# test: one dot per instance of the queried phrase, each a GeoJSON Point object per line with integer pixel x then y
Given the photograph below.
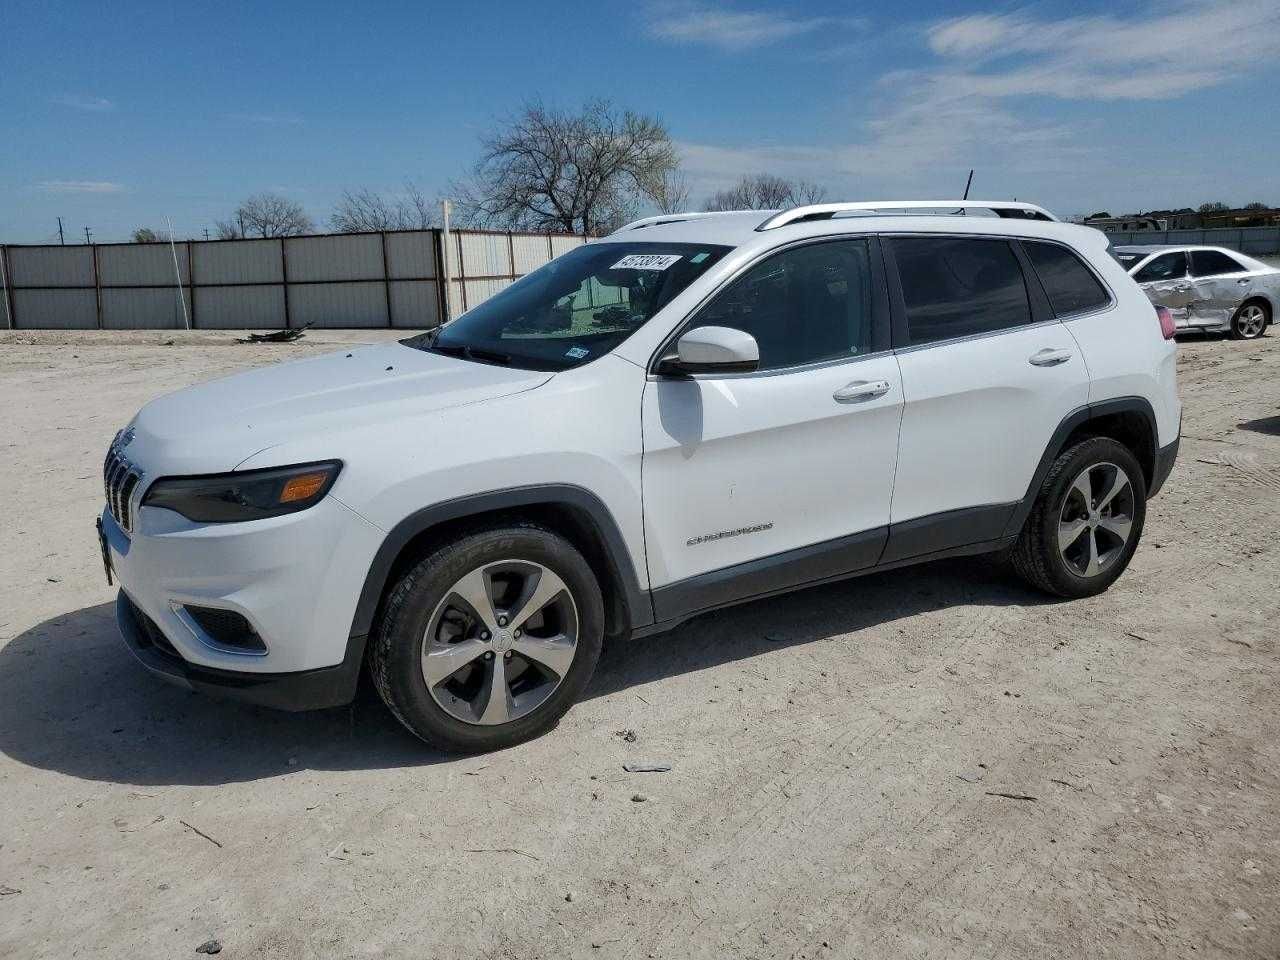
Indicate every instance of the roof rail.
{"type": "Point", "coordinates": [674, 218]}
{"type": "Point", "coordinates": [825, 211]}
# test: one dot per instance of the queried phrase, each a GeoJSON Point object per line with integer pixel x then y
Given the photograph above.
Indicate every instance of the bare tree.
{"type": "Point", "coordinates": [367, 210]}
{"type": "Point", "coordinates": [1214, 207]}
{"type": "Point", "coordinates": [266, 215]}
{"type": "Point", "coordinates": [547, 169]}
{"type": "Point", "coordinates": [673, 195]}
{"type": "Point", "coordinates": [1257, 205]}
{"type": "Point", "coordinates": [764, 191]}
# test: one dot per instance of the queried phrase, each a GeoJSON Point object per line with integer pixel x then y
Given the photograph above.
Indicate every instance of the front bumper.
{"type": "Point", "coordinates": [296, 579]}
{"type": "Point", "coordinates": [301, 690]}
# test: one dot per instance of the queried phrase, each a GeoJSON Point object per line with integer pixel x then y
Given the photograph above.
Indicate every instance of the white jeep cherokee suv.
{"type": "Point", "coordinates": [694, 411]}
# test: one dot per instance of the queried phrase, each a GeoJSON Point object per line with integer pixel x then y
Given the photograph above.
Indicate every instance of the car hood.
{"type": "Point", "coordinates": [216, 426]}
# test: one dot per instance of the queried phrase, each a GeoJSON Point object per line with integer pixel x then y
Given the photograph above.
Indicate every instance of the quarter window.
{"type": "Point", "coordinates": [1071, 286]}
{"type": "Point", "coordinates": [1213, 263]}
{"type": "Point", "coordinates": [1167, 266]}
{"type": "Point", "coordinates": [804, 305]}
{"type": "Point", "coordinates": [958, 286]}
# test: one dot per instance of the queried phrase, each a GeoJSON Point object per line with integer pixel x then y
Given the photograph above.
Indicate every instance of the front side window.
{"type": "Point", "coordinates": [1071, 286]}
{"type": "Point", "coordinates": [959, 286]}
{"type": "Point", "coordinates": [804, 305]}
{"type": "Point", "coordinates": [1167, 266]}
{"type": "Point", "coordinates": [578, 307]}
{"type": "Point", "coordinates": [1213, 263]}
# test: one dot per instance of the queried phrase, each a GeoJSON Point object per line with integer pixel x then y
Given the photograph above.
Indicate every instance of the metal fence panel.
{"type": "Point", "coordinates": [148, 308]}
{"type": "Point", "coordinates": [55, 309]}
{"type": "Point", "coordinates": [560, 244]}
{"type": "Point", "coordinates": [478, 291]}
{"type": "Point", "coordinates": [239, 308]}
{"type": "Point", "coordinates": [340, 280]}
{"type": "Point", "coordinates": [51, 266]}
{"type": "Point", "coordinates": [415, 304]}
{"type": "Point", "coordinates": [411, 254]}
{"type": "Point", "coordinates": [338, 304]}
{"type": "Point", "coordinates": [356, 256]}
{"type": "Point", "coordinates": [237, 261]}
{"type": "Point", "coordinates": [141, 264]}
{"type": "Point", "coordinates": [530, 252]}
{"type": "Point", "coordinates": [1251, 240]}
{"type": "Point", "coordinates": [485, 255]}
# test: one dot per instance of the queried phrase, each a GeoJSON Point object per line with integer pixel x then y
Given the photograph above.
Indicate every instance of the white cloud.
{"type": "Point", "coordinates": [88, 104]}
{"type": "Point", "coordinates": [79, 186]}
{"type": "Point", "coordinates": [731, 30]}
{"type": "Point", "coordinates": [965, 109]}
{"type": "Point", "coordinates": [1157, 54]}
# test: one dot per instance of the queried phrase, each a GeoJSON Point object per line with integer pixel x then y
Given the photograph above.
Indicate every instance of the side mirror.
{"type": "Point", "coordinates": [712, 350]}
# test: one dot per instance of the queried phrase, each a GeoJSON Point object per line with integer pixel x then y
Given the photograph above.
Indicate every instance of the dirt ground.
{"type": "Point", "coordinates": [838, 756]}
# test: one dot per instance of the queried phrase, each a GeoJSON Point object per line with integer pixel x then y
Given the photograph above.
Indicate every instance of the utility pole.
{"type": "Point", "coordinates": [206, 233]}
{"type": "Point", "coordinates": [88, 235]}
{"type": "Point", "coordinates": [61, 239]}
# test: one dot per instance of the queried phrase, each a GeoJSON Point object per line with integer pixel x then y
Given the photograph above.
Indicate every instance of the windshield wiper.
{"type": "Point", "coordinates": [474, 354]}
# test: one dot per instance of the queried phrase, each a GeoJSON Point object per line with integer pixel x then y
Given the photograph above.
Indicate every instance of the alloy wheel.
{"type": "Point", "coordinates": [1096, 521]}
{"type": "Point", "coordinates": [1251, 321]}
{"type": "Point", "coordinates": [500, 642]}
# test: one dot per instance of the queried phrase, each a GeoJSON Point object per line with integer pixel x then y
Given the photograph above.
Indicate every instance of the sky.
{"type": "Point", "coordinates": [121, 115]}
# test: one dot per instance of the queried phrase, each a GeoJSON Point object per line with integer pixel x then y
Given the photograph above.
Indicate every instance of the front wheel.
{"type": "Point", "coordinates": [490, 639]}
{"type": "Point", "coordinates": [1086, 521]}
{"type": "Point", "coordinates": [1249, 322]}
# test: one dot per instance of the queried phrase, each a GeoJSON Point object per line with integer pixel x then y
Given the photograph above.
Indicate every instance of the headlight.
{"type": "Point", "coordinates": [249, 495]}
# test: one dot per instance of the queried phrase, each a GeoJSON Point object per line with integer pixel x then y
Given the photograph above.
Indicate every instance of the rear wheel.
{"type": "Point", "coordinates": [489, 640]}
{"type": "Point", "coordinates": [1086, 522]}
{"type": "Point", "coordinates": [1250, 321]}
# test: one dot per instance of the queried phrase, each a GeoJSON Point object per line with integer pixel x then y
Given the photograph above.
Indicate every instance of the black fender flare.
{"type": "Point", "coordinates": [639, 609]}
{"type": "Point", "coordinates": [1070, 423]}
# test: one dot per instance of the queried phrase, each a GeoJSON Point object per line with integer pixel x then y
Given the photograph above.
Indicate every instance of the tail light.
{"type": "Point", "coordinates": [1166, 322]}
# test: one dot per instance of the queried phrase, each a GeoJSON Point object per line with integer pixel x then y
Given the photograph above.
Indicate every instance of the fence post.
{"type": "Point", "coordinates": [284, 279]}
{"type": "Point", "coordinates": [462, 274]}
{"type": "Point", "coordinates": [386, 278]}
{"type": "Point", "coordinates": [97, 283]}
{"type": "Point", "coordinates": [442, 281]}
{"type": "Point", "coordinates": [446, 312]}
{"type": "Point", "coordinates": [5, 277]}
{"type": "Point", "coordinates": [191, 282]}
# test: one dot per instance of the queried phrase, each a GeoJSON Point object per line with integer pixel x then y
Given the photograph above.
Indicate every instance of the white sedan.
{"type": "Point", "coordinates": [1206, 288]}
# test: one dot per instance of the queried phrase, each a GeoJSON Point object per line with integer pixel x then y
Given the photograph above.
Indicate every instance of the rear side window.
{"type": "Point", "coordinates": [1212, 263]}
{"type": "Point", "coordinates": [1167, 266]}
{"type": "Point", "coordinates": [957, 286]}
{"type": "Point", "coordinates": [1071, 286]}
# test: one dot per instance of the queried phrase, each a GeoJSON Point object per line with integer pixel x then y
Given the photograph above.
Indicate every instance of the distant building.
{"type": "Point", "coordinates": [1188, 219]}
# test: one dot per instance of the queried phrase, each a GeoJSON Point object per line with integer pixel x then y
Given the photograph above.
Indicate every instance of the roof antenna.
{"type": "Point", "coordinates": [967, 184]}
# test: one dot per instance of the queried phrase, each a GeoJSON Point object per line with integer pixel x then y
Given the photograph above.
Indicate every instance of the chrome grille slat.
{"type": "Point", "coordinates": [120, 479]}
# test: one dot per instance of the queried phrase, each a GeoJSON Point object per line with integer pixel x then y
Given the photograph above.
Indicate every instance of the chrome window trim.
{"type": "Point", "coordinates": [984, 335]}
{"type": "Point", "coordinates": [674, 335]}
{"type": "Point", "coordinates": [801, 368]}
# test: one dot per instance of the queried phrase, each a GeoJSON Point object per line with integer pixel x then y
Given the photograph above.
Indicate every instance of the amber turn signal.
{"type": "Point", "coordinates": [303, 487]}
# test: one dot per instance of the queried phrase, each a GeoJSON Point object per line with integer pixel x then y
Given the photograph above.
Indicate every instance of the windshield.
{"type": "Point", "coordinates": [578, 307]}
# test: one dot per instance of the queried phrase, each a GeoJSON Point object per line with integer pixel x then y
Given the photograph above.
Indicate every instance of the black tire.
{"type": "Point", "coordinates": [1036, 556]}
{"type": "Point", "coordinates": [1242, 331]}
{"type": "Point", "coordinates": [396, 645]}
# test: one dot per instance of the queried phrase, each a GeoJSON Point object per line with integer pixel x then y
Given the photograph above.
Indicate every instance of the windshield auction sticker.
{"type": "Point", "coordinates": [646, 261]}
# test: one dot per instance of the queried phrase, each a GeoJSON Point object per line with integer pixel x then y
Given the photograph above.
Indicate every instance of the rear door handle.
{"type": "Point", "coordinates": [861, 390]}
{"type": "Point", "coordinates": [1049, 357]}
{"type": "Point", "coordinates": [1245, 281]}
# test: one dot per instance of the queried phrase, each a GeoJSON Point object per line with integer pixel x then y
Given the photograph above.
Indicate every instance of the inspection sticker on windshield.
{"type": "Point", "coordinates": [576, 353]}
{"type": "Point", "coordinates": [646, 261]}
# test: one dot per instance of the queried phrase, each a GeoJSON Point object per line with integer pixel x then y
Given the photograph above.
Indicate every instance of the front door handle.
{"type": "Point", "coordinates": [1245, 281]}
{"type": "Point", "coordinates": [861, 390]}
{"type": "Point", "coordinates": [1049, 357]}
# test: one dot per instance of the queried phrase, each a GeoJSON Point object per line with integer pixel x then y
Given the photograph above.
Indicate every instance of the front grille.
{"type": "Point", "coordinates": [120, 480]}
